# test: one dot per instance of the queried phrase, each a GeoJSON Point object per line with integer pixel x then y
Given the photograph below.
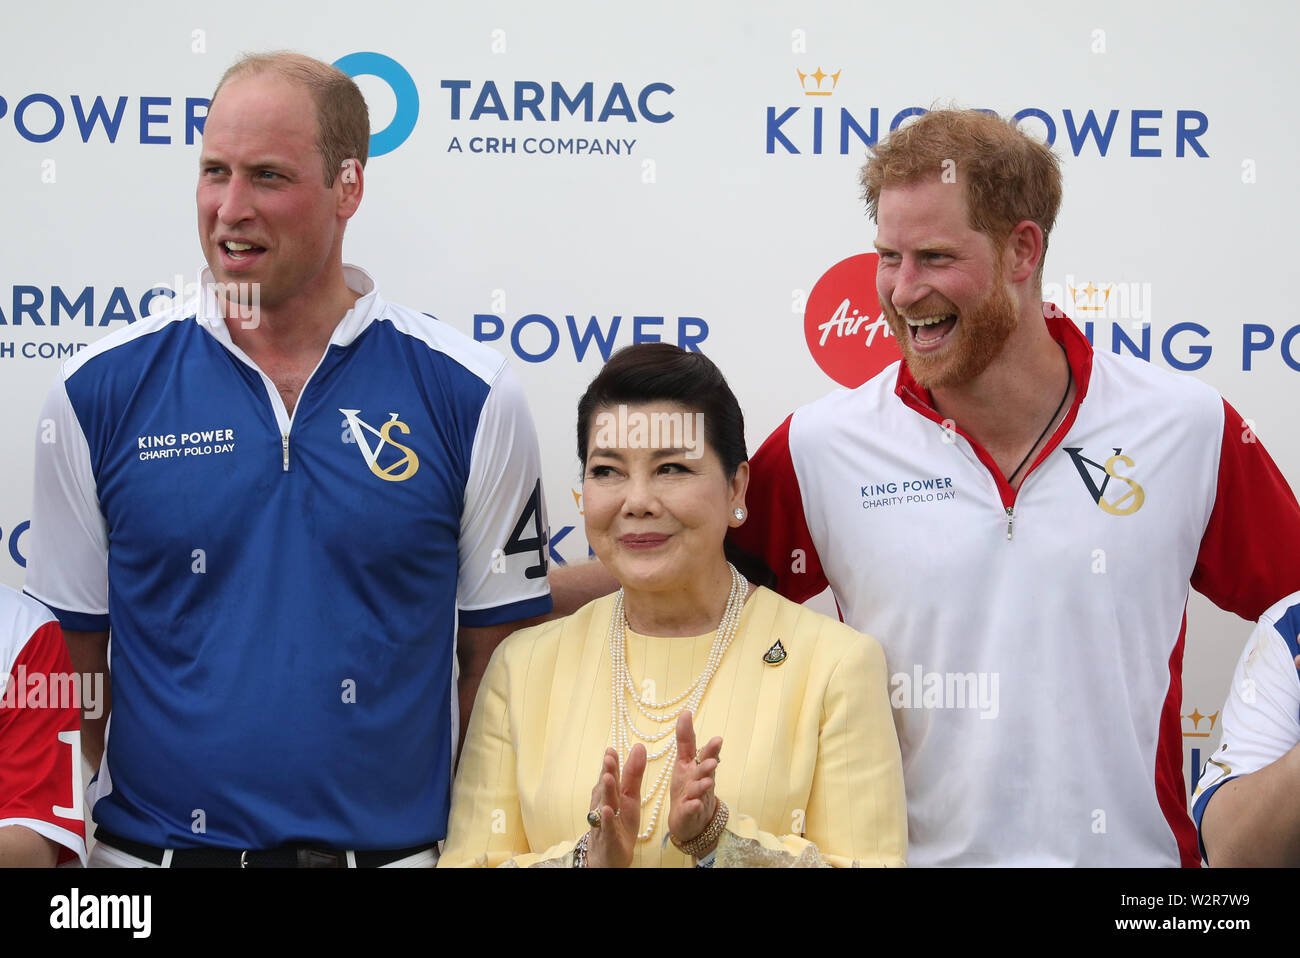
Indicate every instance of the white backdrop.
{"type": "Point", "coordinates": [708, 218]}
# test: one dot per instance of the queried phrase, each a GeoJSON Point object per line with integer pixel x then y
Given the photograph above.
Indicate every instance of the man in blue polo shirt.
{"type": "Point", "coordinates": [295, 506]}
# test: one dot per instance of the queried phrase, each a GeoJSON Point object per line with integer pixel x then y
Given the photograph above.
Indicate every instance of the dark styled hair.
{"type": "Point", "coordinates": [662, 372]}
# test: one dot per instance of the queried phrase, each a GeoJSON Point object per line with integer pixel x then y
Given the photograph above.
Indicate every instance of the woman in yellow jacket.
{"type": "Point", "coordinates": [800, 764]}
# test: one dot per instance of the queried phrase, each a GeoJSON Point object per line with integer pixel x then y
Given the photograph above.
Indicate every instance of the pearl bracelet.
{"type": "Point", "coordinates": [705, 840]}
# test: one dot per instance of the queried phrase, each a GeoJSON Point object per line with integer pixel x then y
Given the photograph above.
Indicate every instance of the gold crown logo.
{"type": "Point", "coordinates": [1196, 717]}
{"type": "Point", "coordinates": [818, 76]}
{"type": "Point", "coordinates": [1089, 294]}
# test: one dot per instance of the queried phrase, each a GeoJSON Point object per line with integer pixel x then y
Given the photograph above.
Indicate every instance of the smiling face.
{"type": "Point", "coordinates": [265, 213]}
{"type": "Point", "coordinates": [656, 516]}
{"type": "Point", "coordinates": [941, 284]}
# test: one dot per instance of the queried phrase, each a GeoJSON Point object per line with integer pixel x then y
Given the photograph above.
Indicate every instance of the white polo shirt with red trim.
{"type": "Point", "coordinates": [40, 727]}
{"type": "Point", "coordinates": [1034, 636]}
{"type": "Point", "coordinates": [1261, 718]}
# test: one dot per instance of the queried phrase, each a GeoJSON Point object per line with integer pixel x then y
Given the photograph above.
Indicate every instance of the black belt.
{"type": "Point", "coordinates": [287, 856]}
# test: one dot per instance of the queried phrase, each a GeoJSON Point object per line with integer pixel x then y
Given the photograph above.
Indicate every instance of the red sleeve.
{"type": "Point", "coordinates": [776, 529]}
{"type": "Point", "coordinates": [1250, 553]}
{"type": "Point", "coordinates": [36, 775]}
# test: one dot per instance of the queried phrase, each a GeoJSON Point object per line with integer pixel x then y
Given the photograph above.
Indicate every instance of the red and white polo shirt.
{"type": "Point", "coordinates": [1034, 636]}
{"type": "Point", "coordinates": [40, 727]}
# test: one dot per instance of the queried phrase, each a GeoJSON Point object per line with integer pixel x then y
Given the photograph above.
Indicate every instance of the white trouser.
{"type": "Point", "coordinates": [101, 856]}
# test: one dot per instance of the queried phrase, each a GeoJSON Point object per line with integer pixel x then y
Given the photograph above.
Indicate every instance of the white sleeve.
{"type": "Point", "coordinates": [1261, 719]}
{"type": "Point", "coordinates": [68, 565]}
{"type": "Point", "coordinates": [504, 536]}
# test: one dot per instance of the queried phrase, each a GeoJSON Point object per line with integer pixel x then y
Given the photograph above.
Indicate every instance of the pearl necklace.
{"type": "Point", "coordinates": [622, 688]}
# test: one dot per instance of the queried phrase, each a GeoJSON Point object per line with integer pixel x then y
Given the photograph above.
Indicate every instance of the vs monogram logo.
{"type": "Point", "coordinates": [401, 470]}
{"type": "Point", "coordinates": [1127, 503]}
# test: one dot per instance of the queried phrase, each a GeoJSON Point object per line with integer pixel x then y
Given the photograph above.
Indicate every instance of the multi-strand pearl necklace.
{"type": "Point", "coordinates": [622, 688]}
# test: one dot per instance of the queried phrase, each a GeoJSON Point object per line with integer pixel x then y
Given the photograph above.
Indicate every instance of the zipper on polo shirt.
{"type": "Point", "coordinates": [283, 418]}
{"type": "Point", "coordinates": [980, 454]}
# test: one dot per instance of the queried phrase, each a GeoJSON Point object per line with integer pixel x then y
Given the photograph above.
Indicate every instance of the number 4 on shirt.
{"type": "Point", "coordinates": [532, 514]}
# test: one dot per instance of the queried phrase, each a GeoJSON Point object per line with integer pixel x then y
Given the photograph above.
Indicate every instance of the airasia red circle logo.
{"type": "Point", "coordinates": [846, 331]}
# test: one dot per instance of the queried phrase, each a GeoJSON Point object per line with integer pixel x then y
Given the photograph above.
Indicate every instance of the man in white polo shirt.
{"type": "Point", "coordinates": [1017, 519]}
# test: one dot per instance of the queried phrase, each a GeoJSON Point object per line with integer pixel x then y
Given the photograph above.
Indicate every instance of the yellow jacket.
{"type": "Point", "coordinates": [809, 758]}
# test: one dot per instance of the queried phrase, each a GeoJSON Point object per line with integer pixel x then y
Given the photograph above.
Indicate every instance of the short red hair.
{"type": "Point", "coordinates": [1008, 177]}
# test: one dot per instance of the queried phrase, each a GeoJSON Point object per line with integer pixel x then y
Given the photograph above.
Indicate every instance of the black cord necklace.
{"type": "Point", "coordinates": [1069, 381]}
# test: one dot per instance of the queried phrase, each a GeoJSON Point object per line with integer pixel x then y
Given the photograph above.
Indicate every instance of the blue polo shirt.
{"type": "Point", "coordinates": [283, 592]}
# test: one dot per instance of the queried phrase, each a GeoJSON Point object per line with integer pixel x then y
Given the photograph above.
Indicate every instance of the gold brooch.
{"type": "Point", "coordinates": [776, 654]}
